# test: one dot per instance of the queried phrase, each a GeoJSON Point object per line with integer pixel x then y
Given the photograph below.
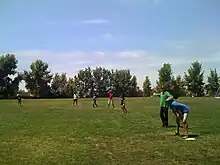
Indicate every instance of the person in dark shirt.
{"type": "Point", "coordinates": [94, 101]}
{"type": "Point", "coordinates": [122, 98]}
{"type": "Point", "coordinates": [19, 99]}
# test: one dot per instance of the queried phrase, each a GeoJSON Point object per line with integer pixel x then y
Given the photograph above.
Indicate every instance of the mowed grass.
{"type": "Point", "coordinates": [53, 132]}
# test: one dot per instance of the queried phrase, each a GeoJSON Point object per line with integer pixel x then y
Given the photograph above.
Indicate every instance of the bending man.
{"type": "Point", "coordinates": [181, 112]}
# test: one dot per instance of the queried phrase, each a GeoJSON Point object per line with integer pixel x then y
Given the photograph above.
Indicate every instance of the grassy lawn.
{"type": "Point", "coordinates": [53, 132]}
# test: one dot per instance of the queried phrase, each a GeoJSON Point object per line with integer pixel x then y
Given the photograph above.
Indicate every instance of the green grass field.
{"type": "Point", "coordinates": [53, 132]}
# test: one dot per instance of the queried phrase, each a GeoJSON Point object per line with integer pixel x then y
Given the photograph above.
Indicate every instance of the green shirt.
{"type": "Point", "coordinates": [163, 98]}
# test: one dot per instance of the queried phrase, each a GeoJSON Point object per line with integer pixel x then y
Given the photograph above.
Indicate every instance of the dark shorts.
{"type": "Point", "coordinates": [122, 102]}
{"type": "Point", "coordinates": [75, 100]}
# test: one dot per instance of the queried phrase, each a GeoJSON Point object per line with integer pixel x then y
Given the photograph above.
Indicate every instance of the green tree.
{"type": "Point", "coordinates": [177, 86]}
{"type": "Point", "coordinates": [63, 85]}
{"type": "Point", "coordinates": [85, 85]}
{"type": "Point", "coordinates": [107, 81]}
{"type": "Point", "coordinates": [24, 93]}
{"type": "Point", "coordinates": [59, 85]}
{"type": "Point", "coordinates": [139, 92]}
{"type": "Point", "coordinates": [9, 77]}
{"type": "Point", "coordinates": [164, 76]}
{"type": "Point", "coordinates": [147, 91]}
{"type": "Point", "coordinates": [14, 84]}
{"type": "Point", "coordinates": [77, 85]}
{"type": "Point", "coordinates": [89, 82]}
{"type": "Point", "coordinates": [38, 79]}
{"type": "Point", "coordinates": [55, 84]}
{"type": "Point", "coordinates": [71, 87]}
{"type": "Point", "coordinates": [112, 83]}
{"type": "Point", "coordinates": [122, 81]}
{"type": "Point", "coordinates": [133, 90]}
{"type": "Point", "coordinates": [213, 82]}
{"type": "Point", "coordinates": [101, 80]}
{"type": "Point", "coordinates": [194, 79]}
{"type": "Point", "coordinates": [98, 80]}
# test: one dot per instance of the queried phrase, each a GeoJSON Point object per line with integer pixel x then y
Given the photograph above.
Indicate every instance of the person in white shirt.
{"type": "Point", "coordinates": [75, 99]}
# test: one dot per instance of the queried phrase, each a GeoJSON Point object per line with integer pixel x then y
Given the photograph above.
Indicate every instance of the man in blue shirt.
{"type": "Point", "coordinates": [181, 112]}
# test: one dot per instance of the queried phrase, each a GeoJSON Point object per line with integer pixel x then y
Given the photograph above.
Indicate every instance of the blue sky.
{"type": "Point", "coordinates": [136, 34]}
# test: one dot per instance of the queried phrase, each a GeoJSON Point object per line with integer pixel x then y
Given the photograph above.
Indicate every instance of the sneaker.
{"type": "Point", "coordinates": [185, 137]}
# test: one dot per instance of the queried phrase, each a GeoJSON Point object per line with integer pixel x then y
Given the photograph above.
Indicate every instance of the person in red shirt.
{"type": "Point", "coordinates": [110, 99]}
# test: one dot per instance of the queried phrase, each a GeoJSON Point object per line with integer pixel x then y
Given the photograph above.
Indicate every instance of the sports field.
{"type": "Point", "coordinates": [53, 132]}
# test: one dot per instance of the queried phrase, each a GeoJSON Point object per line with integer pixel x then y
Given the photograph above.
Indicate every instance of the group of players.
{"type": "Point", "coordinates": [110, 101]}
{"type": "Point", "coordinates": [166, 101]}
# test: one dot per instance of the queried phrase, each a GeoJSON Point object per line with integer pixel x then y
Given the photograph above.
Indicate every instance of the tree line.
{"type": "Point", "coordinates": [40, 82]}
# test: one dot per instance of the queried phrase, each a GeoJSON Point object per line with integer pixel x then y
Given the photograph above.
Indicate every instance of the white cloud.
{"type": "Point", "coordinates": [99, 53]}
{"type": "Point", "coordinates": [140, 62]}
{"type": "Point", "coordinates": [95, 21]}
{"type": "Point", "coordinates": [129, 54]}
{"type": "Point", "coordinates": [44, 53]}
{"type": "Point", "coordinates": [76, 23]}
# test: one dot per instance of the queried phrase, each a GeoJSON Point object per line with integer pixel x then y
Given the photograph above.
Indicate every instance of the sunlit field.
{"type": "Point", "coordinates": [53, 132]}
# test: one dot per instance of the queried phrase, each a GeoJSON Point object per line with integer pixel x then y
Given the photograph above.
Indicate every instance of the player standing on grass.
{"type": "Point", "coordinates": [94, 101]}
{"type": "Point", "coordinates": [75, 99]}
{"type": "Point", "coordinates": [164, 106]}
{"type": "Point", "coordinates": [122, 98]}
{"type": "Point", "coordinates": [19, 99]}
{"type": "Point", "coordinates": [181, 112]}
{"type": "Point", "coordinates": [110, 99]}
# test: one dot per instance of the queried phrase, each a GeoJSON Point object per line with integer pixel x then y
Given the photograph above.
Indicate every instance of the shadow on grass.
{"type": "Point", "coordinates": [125, 116]}
{"type": "Point", "coordinates": [173, 126]}
{"type": "Point", "coordinates": [206, 132]}
{"type": "Point", "coordinates": [192, 135]}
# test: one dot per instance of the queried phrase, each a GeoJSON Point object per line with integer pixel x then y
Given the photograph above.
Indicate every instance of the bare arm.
{"type": "Point", "coordinates": [156, 94]}
{"type": "Point", "coordinates": [169, 95]}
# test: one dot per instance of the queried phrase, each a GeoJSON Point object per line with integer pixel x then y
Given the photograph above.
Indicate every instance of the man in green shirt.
{"type": "Point", "coordinates": [164, 105]}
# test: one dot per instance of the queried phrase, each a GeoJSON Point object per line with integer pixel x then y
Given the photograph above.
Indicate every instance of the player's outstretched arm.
{"type": "Point", "coordinates": [156, 94]}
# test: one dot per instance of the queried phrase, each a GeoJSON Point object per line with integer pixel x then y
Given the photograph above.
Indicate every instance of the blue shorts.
{"type": "Point", "coordinates": [186, 110]}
